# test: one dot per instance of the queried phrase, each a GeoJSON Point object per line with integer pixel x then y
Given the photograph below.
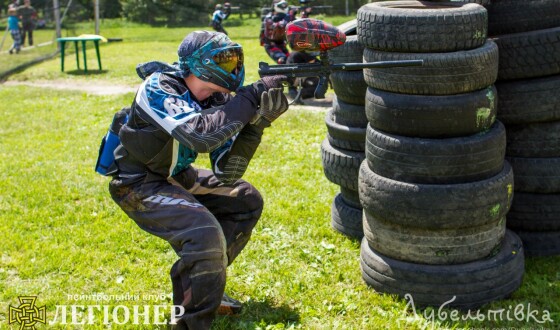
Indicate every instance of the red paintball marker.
{"type": "Point", "coordinates": [312, 35]}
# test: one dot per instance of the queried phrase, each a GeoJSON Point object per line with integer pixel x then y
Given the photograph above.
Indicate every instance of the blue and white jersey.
{"type": "Point", "coordinates": [165, 106]}
{"type": "Point", "coordinates": [218, 16]}
{"type": "Point", "coordinates": [171, 111]}
{"type": "Point", "coordinates": [168, 127]}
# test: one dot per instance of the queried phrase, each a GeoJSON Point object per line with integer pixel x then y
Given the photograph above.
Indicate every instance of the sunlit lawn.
{"type": "Point", "coordinates": [63, 236]}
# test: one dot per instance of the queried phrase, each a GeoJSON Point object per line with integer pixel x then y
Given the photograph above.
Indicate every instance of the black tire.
{"type": "Point", "coordinates": [529, 100]}
{"type": "Point", "coordinates": [472, 284]}
{"type": "Point", "coordinates": [421, 26]}
{"type": "Point", "coordinates": [349, 28]}
{"type": "Point", "coordinates": [350, 197]}
{"type": "Point", "coordinates": [446, 161]}
{"type": "Point", "coordinates": [441, 73]}
{"type": "Point", "coordinates": [432, 247]}
{"type": "Point", "coordinates": [346, 219]}
{"type": "Point", "coordinates": [341, 166]}
{"type": "Point", "coordinates": [534, 212]}
{"type": "Point", "coordinates": [540, 244]}
{"type": "Point", "coordinates": [345, 137]}
{"type": "Point", "coordinates": [350, 52]}
{"type": "Point", "coordinates": [480, 2]}
{"type": "Point", "coordinates": [436, 206]}
{"type": "Point", "coordinates": [536, 175]}
{"type": "Point", "coordinates": [349, 86]}
{"type": "Point", "coordinates": [348, 114]}
{"type": "Point", "coordinates": [513, 16]}
{"type": "Point", "coordinates": [529, 54]}
{"type": "Point", "coordinates": [430, 116]}
{"type": "Point", "coordinates": [534, 140]}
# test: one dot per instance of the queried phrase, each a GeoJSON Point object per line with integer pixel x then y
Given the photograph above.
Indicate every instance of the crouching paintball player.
{"type": "Point", "coordinates": [207, 216]}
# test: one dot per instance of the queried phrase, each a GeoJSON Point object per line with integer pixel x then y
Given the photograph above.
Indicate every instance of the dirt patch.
{"type": "Point", "coordinates": [95, 89]}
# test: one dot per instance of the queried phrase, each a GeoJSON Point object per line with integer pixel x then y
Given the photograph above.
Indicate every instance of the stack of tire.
{"type": "Point", "coordinates": [528, 37]}
{"type": "Point", "coordinates": [343, 150]}
{"type": "Point", "coordinates": [435, 187]}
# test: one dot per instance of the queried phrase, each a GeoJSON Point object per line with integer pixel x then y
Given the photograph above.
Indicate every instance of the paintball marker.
{"type": "Point", "coordinates": [313, 35]}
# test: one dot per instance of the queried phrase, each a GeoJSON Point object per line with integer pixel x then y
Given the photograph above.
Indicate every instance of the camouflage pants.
{"type": "Point", "coordinates": [278, 51]}
{"type": "Point", "coordinates": [16, 37]}
{"type": "Point", "coordinates": [207, 224]}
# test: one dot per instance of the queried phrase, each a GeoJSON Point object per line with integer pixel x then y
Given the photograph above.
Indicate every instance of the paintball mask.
{"type": "Point", "coordinates": [219, 61]}
{"type": "Point", "coordinates": [281, 7]}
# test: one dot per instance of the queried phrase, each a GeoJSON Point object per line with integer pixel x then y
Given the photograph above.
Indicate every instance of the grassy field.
{"type": "Point", "coordinates": [64, 240]}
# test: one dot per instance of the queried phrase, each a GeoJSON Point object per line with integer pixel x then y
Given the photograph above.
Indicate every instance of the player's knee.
{"type": "Point", "coordinates": [250, 198]}
{"type": "Point", "coordinates": [206, 244]}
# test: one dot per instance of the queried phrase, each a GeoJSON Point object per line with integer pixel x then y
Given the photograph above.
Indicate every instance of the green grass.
{"type": "Point", "coordinates": [45, 46]}
{"type": "Point", "coordinates": [62, 234]}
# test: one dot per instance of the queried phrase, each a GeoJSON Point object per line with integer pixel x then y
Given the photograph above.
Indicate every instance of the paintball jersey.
{"type": "Point", "coordinates": [274, 27]}
{"type": "Point", "coordinates": [305, 11]}
{"type": "Point", "coordinates": [167, 128]}
{"type": "Point", "coordinates": [219, 16]}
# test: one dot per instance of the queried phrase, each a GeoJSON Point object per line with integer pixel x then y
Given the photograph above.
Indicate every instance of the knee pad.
{"type": "Point", "coordinates": [250, 199]}
{"type": "Point", "coordinates": [203, 248]}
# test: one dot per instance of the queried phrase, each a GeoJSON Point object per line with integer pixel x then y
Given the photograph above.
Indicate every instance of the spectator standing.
{"type": "Point", "coordinates": [13, 26]}
{"type": "Point", "coordinates": [28, 16]}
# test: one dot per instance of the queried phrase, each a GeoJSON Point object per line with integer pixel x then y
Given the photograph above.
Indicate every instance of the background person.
{"type": "Point", "coordinates": [221, 13]}
{"type": "Point", "coordinates": [307, 85]}
{"type": "Point", "coordinates": [273, 32]}
{"type": "Point", "coordinates": [13, 26]}
{"type": "Point", "coordinates": [28, 16]}
{"type": "Point", "coordinates": [305, 9]}
{"type": "Point", "coordinates": [207, 216]}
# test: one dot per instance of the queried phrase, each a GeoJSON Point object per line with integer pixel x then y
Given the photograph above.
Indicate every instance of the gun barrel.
{"type": "Point", "coordinates": [316, 69]}
{"type": "Point", "coordinates": [290, 70]}
{"type": "Point", "coordinates": [370, 65]}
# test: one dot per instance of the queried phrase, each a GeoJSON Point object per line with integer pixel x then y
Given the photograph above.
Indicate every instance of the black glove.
{"type": "Point", "coordinates": [267, 83]}
{"type": "Point", "coordinates": [273, 104]}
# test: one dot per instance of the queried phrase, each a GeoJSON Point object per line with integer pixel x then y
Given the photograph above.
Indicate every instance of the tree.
{"type": "Point", "coordinates": [170, 12]}
{"type": "Point", "coordinates": [186, 12]}
{"type": "Point", "coordinates": [144, 11]}
{"type": "Point", "coordinates": [110, 9]}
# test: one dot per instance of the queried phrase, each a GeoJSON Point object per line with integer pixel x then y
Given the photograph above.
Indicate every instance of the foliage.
{"type": "Point", "coordinates": [140, 10]}
{"type": "Point", "coordinates": [171, 12]}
